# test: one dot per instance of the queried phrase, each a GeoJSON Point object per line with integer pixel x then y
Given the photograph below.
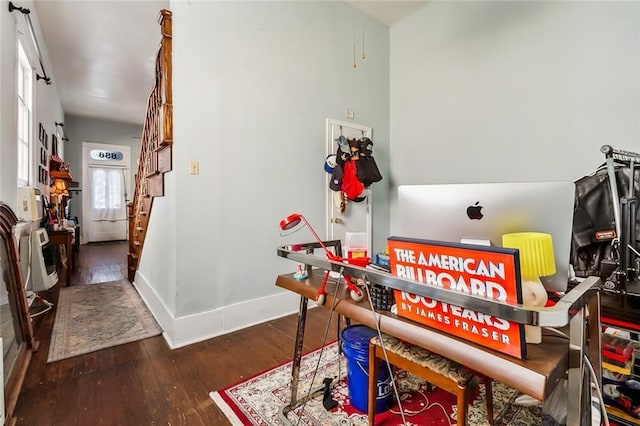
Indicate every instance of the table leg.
{"type": "Point", "coordinates": [578, 387]}
{"type": "Point", "coordinates": [69, 249]}
{"type": "Point", "coordinates": [297, 351]}
{"type": "Point", "coordinates": [595, 337]}
{"type": "Point", "coordinates": [297, 356]}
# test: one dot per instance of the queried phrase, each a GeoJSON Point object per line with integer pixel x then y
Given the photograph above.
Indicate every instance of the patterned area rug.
{"type": "Point", "coordinates": [256, 401]}
{"type": "Point", "coordinates": [98, 316]}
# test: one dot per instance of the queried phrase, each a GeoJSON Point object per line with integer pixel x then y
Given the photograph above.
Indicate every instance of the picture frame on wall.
{"type": "Point", "coordinates": [41, 133]}
{"type": "Point", "coordinates": [54, 144]}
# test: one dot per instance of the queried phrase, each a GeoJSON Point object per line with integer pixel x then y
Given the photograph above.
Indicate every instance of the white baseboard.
{"type": "Point", "coordinates": [189, 329]}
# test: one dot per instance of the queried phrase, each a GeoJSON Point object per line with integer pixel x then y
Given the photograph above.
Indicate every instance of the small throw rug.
{"type": "Point", "coordinates": [256, 401]}
{"type": "Point", "coordinates": [98, 316]}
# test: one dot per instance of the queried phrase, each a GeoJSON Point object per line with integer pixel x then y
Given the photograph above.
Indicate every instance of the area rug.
{"type": "Point", "coordinates": [256, 401]}
{"type": "Point", "coordinates": [98, 316]}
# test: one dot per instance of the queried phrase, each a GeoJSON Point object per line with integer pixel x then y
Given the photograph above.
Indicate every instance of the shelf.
{"type": "Point", "coordinates": [620, 416]}
{"type": "Point", "coordinates": [60, 174]}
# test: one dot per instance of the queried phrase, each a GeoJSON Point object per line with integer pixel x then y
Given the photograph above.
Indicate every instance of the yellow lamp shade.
{"type": "Point", "coordinates": [536, 253]}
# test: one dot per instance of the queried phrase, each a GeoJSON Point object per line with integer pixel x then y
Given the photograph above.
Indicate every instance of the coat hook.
{"type": "Point", "coordinates": [354, 55]}
{"type": "Point", "coordinates": [363, 55]}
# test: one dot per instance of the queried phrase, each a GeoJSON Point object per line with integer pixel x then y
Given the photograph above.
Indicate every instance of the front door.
{"type": "Point", "coordinates": [106, 180]}
{"type": "Point", "coordinates": [356, 216]}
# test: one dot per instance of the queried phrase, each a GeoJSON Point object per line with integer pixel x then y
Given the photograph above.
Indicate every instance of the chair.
{"type": "Point", "coordinates": [436, 370]}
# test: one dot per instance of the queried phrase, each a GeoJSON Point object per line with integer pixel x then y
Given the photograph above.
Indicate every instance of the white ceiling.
{"type": "Point", "coordinates": [103, 52]}
{"type": "Point", "coordinates": [388, 12]}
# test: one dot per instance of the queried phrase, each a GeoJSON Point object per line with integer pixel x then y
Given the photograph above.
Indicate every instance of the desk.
{"type": "Point", "coordinates": [65, 238]}
{"type": "Point", "coordinates": [536, 376]}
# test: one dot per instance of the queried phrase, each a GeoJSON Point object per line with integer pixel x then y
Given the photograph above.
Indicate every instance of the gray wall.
{"type": "Point", "coordinates": [509, 91]}
{"type": "Point", "coordinates": [253, 83]}
{"type": "Point", "coordinates": [82, 129]}
{"type": "Point", "coordinates": [47, 106]}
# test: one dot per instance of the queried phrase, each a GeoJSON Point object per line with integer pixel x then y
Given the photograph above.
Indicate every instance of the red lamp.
{"type": "Point", "coordinates": [294, 220]}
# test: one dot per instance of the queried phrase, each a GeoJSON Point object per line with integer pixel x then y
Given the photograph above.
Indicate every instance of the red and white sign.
{"type": "Point", "coordinates": [489, 272]}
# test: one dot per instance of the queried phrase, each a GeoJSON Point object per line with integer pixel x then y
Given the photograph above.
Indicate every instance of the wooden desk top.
{"type": "Point", "coordinates": [64, 232]}
{"type": "Point", "coordinates": [536, 376]}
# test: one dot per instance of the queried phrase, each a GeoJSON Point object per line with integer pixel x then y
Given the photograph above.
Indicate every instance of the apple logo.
{"type": "Point", "coordinates": [475, 211]}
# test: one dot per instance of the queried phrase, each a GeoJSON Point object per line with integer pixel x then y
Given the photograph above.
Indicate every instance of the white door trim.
{"type": "Point", "coordinates": [87, 164]}
{"type": "Point", "coordinates": [330, 149]}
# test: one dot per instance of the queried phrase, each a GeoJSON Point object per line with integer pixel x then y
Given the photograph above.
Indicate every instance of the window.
{"type": "Point", "coordinates": [25, 114]}
{"type": "Point", "coordinates": [60, 145]}
{"type": "Point", "coordinates": [107, 186]}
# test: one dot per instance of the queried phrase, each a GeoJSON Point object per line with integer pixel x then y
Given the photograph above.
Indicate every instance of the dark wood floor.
{"type": "Point", "coordinates": [144, 382]}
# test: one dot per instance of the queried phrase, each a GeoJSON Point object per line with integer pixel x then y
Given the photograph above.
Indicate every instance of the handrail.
{"type": "Point", "coordinates": [155, 147]}
{"type": "Point", "coordinates": [558, 315]}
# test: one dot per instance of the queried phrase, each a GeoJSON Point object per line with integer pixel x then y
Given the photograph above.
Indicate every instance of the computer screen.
{"type": "Point", "coordinates": [478, 213]}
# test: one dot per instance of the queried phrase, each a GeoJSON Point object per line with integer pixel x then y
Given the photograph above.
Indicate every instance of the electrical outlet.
{"type": "Point", "coordinates": [194, 168]}
{"type": "Point", "coordinates": [349, 113]}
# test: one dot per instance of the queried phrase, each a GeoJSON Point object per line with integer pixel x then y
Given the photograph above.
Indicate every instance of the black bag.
{"type": "Point", "coordinates": [593, 220]}
{"type": "Point", "coordinates": [367, 169]}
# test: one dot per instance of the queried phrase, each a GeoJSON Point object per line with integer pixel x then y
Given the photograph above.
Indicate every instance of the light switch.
{"type": "Point", "coordinates": [194, 168]}
{"type": "Point", "coordinates": [349, 113]}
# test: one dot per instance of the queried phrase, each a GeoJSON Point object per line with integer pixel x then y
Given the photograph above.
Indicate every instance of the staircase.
{"type": "Point", "coordinates": [155, 150]}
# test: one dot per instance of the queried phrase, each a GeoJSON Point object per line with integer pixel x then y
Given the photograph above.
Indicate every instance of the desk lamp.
{"type": "Point", "coordinates": [536, 260]}
{"type": "Point", "coordinates": [59, 188]}
{"type": "Point", "coordinates": [293, 220]}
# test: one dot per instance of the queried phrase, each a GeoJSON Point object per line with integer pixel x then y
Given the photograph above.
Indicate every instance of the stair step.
{"type": "Point", "coordinates": [136, 243]}
{"type": "Point", "coordinates": [133, 256]}
{"type": "Point", "coordinates": [139, 229]}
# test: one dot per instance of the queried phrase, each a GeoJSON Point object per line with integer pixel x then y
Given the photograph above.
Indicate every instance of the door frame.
{"type": "Point", "coordinates": [330, 149]}
{"type": "Point", "coordinates": [86, 165]}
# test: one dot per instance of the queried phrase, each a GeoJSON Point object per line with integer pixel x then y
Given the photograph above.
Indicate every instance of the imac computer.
{"type": "Point", "coordinates": [481, 213]}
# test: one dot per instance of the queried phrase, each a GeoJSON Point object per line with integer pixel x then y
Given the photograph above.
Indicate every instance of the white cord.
{"type": "Point", "coordinates": [425, 407]}
{"type": "Point", "coordinates": [384, 351]}
{"type": "Point", "coordinates": [603, 409]}
{"type": "Point", "coordinates": [558, 332]}
{"type": "Point", "coordinates": [592, 373]}
{"type": "Point", "coordinates": [42, 311]}
{"type": "Point", "coordinates": [26, 280]}
{"type": "Point", "coordinates": [324, 340]}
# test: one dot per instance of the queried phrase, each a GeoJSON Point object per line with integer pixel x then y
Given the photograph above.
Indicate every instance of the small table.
{"type": "Point", "coordinates": [64, 237]}
{"type": "Point", "coordinates": [536, 375]}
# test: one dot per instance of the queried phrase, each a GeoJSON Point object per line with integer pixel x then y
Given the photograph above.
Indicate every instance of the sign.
{"type": "Point", "coordinates": [489, 272]}
{"type": "Point", "coordinates": [103, 154]}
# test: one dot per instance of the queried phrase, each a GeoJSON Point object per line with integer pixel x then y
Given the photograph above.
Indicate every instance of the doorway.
{"type": "Point", "coordinates": [356, 217]}
{"type": "Point", "coordinates": [106, 176]}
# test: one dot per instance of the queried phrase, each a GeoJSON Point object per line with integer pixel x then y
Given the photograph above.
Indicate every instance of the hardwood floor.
{"type": "Point", "coordinates": [144, 382]}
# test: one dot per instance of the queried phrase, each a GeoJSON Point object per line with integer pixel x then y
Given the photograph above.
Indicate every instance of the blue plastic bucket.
{"type": "Point", "coordinates": [355, 345]}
